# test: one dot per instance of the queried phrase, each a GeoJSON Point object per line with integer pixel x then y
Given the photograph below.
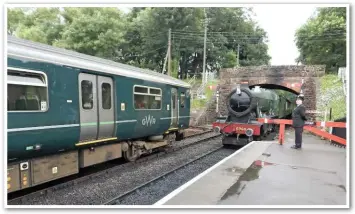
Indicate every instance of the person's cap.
{"type": "Point", "coordinates": [300, 97]}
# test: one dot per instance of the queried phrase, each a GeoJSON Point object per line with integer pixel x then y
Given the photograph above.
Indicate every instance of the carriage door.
{"type": "Point", "coordinates": [106, 107]}
{"type": "Point", "coordinates": [96, 107]}
{"type": "Point", "coordinates": [174, 107]}
{"type": "Point", "coordinates": [88, 107]}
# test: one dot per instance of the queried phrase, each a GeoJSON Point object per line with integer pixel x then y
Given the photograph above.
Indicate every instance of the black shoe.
{"type": "Point", "coordinates": [295, 147]}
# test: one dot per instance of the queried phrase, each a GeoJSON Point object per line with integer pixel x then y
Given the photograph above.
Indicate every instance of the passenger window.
{"type": "Point", "coordinates": [147, 98]}
{"type": "Point", "coordinates": [106, 95]}
{"type": "Point", "coordinates": [174, 100]}
{"type": "Point", "coordinates": [87, 94]}
{"type": "Point", "coordinates": [26, 91]}
{"type": "Point", "coordinates": [154, 91]}
{"type": "Point", "coordinates": [139, 89]}
{"type": "Point", "coordinates": [182, 98]}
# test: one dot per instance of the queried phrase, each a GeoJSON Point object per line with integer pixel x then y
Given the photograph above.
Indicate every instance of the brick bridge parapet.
{"type": "Point", "coordinates": [288, 77]}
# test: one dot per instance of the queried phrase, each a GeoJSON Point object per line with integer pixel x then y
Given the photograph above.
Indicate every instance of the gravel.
{"type": "Point", "coordinates": [194, 139]}
{"type": "Point", "coordinates": [155, 191]}
{"type": "Point", "coordinates": [103, 188]}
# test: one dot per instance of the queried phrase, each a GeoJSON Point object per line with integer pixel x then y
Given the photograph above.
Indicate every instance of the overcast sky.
{"type": "Point", "coordinates": [281, 22]}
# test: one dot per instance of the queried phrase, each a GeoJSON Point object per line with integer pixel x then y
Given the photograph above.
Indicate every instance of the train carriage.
{"type": "Point", "coordinates": [68, 110]}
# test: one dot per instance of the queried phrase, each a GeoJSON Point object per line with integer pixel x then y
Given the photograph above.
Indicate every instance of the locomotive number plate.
{"type": "Point", "coordinates": [240, 129]}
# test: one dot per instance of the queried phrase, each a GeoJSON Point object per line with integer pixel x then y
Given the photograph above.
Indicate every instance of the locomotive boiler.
{"type": "Point", "coordinates": [244, 106]}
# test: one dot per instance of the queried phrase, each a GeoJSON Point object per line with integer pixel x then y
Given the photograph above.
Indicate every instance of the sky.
{"type": "Point", "coordinates": [281, 22]}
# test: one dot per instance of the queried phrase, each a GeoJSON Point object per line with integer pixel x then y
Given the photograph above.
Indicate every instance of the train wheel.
{"type": "Point", "coordinates": [132, 154]}
{"type": "Point", "coordinates": [171, 138]}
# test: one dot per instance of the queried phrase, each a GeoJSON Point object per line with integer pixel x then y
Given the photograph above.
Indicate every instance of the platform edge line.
{"type": "Point", "coordinates": [197, 177]}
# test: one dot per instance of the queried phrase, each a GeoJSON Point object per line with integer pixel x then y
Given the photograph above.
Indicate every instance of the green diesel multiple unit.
{"type": "Point", "coordinates": [68, 110]}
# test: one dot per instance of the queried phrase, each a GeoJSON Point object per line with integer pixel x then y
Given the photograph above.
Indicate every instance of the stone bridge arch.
{"type": "Point", "coordinates": [292, 78]}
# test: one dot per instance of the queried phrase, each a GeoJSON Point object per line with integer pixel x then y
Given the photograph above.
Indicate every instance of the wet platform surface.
{"type": "Point", "coordinates": [266, 173]}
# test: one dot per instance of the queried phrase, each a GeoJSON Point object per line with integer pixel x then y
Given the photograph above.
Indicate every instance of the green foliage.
{"type": "Point", "coordinates": [230, 60]}
{"type": "Point", "coordinates": [140, 37]}
{"type": "Point", "coordinates": [42, 25]}
{"type": "Point", "coordinates": [201, 103]}
{"type": "Point", "coordinates": [332, 96]}
{"type": "Point", "coordinates": [94, 31]}
{"type": "Point", "coordinates": [322, 40]}
{"type": "Point", "coordinates": [14, 18]}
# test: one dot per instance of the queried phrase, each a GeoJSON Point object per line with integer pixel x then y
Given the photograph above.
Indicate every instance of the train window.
{"type": "Point", "coordinates": [140, 89]}
{"type": "Point", "coordinates": [182, 98]}
{"type": "Point", "coordinates": [26, 91]}
{"type": "Point", "coordinates": [147, 100]}
{"type": "Point", "coordinates": [174, 100]}
{"type": "Point", "coordinates": [154, 91]}
{"type": "Point", "coordinates": [106, 95]}
{"type": "Point", "coordinates": [87, 94]}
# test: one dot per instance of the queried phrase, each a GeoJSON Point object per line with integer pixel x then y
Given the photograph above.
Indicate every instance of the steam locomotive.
{"type": "Point", "coordinates": [244, 106]}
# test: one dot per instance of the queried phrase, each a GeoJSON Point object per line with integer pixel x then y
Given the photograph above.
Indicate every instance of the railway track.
{"type": "Point", "coordinates": [144, 194]}
{"type": "Point", "coordinates": [188, 141]}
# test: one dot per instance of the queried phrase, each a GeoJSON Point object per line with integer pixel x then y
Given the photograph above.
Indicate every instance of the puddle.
{"type": "Point", "coordinates": [235, 169]}
{"type": "Point", "coordinates": [250, 174]}
{"type": "Point", "coordinates": [340, 186]}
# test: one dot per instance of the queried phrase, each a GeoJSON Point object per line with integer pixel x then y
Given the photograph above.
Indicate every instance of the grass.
{"type": "Point", "coordinates": [201, 103]}
{"type": "Point", "coordinates": [331, 96]}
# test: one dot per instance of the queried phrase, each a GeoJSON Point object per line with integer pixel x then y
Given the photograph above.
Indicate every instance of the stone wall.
{"type": "Point", "coordinates": [283, 77]}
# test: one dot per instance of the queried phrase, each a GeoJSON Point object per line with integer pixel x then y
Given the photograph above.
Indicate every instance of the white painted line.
{"type": "Point", "coordinates": [187, 184]}
{"type": "Point", "coordinates": [167, 118]}
{"type": "Point", "coordinates": [57, 126]}
{"type": "Point", "coordinates": [126, 121]}
{"type": "Point", "coordinates": [41, 127]}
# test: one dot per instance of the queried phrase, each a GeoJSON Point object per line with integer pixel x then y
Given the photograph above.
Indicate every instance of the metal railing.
{"type": "Point", "coordinates": [210, 76]}
{"type": "Point", "coordinates": [192, 80]}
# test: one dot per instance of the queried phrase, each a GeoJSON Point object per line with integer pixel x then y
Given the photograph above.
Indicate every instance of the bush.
{"type": "Point", "coordinates": [332, 96]}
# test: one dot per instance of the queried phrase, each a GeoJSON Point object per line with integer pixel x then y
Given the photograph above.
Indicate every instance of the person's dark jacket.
{"type": "Point", "coordinates": [299, 116]}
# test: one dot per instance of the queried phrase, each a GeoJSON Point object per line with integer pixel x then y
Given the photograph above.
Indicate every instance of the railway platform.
{"type": "Point", "coordinates": [267, 173]}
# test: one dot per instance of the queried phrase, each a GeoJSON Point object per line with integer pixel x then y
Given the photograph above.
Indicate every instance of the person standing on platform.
{"type": "Point", "coordinates": [298, 121]}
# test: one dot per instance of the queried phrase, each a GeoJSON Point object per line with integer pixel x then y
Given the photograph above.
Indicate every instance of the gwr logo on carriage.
{"type": "Point", "coordinates": [148, 121]}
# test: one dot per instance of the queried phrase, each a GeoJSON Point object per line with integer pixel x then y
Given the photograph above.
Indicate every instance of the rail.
{"type": "Point", "coordinates": [119, 198]}
{"type": "Point", "coordinates": [92, 175]}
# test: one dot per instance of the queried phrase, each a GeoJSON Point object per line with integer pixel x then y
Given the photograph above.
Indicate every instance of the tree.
{"type": "Point", "coordinates": [230, 60]}
{"type": "Point", "coordinates": [140, 37]}
{"type": "Point", "coordinates": [322, 40]}
{"type": "Point", "coordinates": [40, 25]}
{"type": "Point", "coordinates": [93, 31]}
{"type": "Point", "coordinates": [14, 17]}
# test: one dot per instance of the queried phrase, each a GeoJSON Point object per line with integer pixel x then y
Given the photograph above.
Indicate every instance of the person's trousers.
{"type": "Point", "coordinates": [298, 136]}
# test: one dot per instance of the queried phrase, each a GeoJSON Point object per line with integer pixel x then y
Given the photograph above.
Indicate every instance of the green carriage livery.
{"type": "Point", "coordinates": [68, 110]}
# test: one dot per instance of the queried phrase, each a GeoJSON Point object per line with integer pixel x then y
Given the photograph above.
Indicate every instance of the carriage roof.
{"type": "Point", "coordinates": [28, 50]}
